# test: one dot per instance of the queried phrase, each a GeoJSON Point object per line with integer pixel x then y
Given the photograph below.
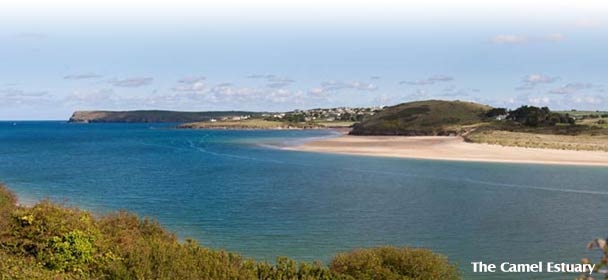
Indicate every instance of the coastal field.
{"type": "Point", "coordinates": [241, 124]}
{"type": "Point", "coordinates": [335, 124]}
{"type": "Point", "coordinates": [453, 148]}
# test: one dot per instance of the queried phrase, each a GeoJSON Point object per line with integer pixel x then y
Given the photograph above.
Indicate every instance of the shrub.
{"type": "Point", "coordinates": [7, 204]}
{"type": "Point", "coordinates": [394, 263]}
{"type": "Point", "coordinates": [70, 252]}
{"type": "Point", "coordinates": [495, 112]}
{"type": "Point", "coordinates": [21, 268]}
{"type": "Point", "coordinates": [7, 198]}
{"type": "Point", "coordinates": [286, 268]}
{"type": "Point", "coordinates": [534, 116]}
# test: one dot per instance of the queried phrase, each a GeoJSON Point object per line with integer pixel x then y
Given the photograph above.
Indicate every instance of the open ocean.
{"type": "Point", "coordinates": [233, 190]}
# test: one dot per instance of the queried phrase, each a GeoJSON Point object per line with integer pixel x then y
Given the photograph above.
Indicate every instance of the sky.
{"type": "Point", "coordinates": [270, 55]}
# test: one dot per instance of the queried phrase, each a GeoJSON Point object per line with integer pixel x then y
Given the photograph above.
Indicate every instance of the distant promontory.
{"type": "Point", "coordinates": [152, 116]}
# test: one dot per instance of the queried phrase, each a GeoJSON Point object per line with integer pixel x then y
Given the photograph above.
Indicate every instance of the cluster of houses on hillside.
{"type": "Point", "coordinates": [331, 114]}
{"type": "Point", "coordinates": [232, 118]}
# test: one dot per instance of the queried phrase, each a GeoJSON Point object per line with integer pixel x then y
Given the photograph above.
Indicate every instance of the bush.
{"type": "Point", "coordinates": [70, 252]}
{"type": "Point", "coordinates": [495, 112]}
{"type": "Point", "coordinates": [49, 241]}
{"type": "Point", "coordinates": [394, 263]}
{"type": "Point", "coordinates": [534, 116]}
{"type": "Point", "coordinates": [7, 204]}
{"type": "Point", "coordinates": [20, 268]}
{"type": "Point", "coordinates": [7, 198]}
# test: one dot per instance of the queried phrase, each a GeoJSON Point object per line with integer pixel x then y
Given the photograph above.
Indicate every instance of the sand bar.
{"type": "Point", "coordinates": [449, 148]}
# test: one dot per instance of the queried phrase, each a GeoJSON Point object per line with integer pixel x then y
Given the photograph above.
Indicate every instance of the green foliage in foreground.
{"type": "Point", "coordinates": [49, 241]}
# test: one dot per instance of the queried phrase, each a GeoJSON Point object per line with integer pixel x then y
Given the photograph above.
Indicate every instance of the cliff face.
{"type": "Point", "coordinates": [151, 116]}
{"type": "Point", "coordinates": [87, 116]}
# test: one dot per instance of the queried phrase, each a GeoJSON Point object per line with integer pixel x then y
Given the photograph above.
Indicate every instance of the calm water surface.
{"type": "Point", "coordinates": [229, 190]}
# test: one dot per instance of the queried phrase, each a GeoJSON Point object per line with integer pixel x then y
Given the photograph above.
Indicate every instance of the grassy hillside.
{"type": "Point", "coordinates": [50, 241]}
{"type": "Point", "coordinates": [246, 124]}
{"type": "Point", "coordinates": [152, 116]}
{"type": "Point", "coordinates": [432, 117]}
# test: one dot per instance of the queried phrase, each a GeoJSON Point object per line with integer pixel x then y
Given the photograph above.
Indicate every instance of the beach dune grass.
{"type": "Point", "coordinates": [561, 137]}
{"type": "Point", "coordinates": [51, 241]}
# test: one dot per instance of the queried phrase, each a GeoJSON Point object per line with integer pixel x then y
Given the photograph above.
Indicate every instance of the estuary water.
{"type": "Point", "coordinates": [233, 190]}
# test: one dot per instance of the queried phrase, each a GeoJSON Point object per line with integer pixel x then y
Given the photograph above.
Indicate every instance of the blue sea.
{"type": "Point", "coordinates": [236, 190]}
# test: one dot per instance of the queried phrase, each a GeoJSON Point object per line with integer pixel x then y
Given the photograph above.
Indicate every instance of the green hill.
{"type": "Point", "coordinates": [152, 116]}
{"type": "Point", "coordinates": [431, 117]}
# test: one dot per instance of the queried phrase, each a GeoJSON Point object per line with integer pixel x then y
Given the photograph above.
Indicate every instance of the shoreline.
{"type": "Point", "coordinates": [254, 126]}
{"type": "Point", "coordinates": [448, 148]}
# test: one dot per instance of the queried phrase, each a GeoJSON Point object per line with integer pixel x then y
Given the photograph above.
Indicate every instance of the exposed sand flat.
{"type": "Point", "coordinates": [449, 148]}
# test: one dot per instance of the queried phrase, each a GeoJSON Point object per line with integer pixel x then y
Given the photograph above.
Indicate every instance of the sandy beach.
{"type": "Point", "coordinates": [449, 148]}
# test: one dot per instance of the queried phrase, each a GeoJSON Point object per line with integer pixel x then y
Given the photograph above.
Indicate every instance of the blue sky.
{"type": "Point", "coordinates": [272, 56]}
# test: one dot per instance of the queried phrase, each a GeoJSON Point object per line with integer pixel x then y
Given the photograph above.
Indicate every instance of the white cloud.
{"type": "Point", "coordinates": [238, 97]}
{"type": "Point", "coordinates": [539, 79]}
{"type": "Point", "coordinates": [191, 79]}
{"type": "Point", "coordinates": [82, 76]}
{"type": "Point", "coordinates": [333, 85]}
{"type": "Point", "coordinates": [273, 81]}
{"type": "Point", "coordinates": [519, 39]}
{"type": "Point", "coordinates": [555, 37]}
{"type": "Point", "coordinates": [384, 100]}
{"type": "Point", "coordinates": [539, 100]}
{"type": "Point", "coordinates": [132, 82]}
{"type": "Point", "coordinates": [198, 86]}
{"type": "Point", "coordinates": [13, 92]}
{"type": "Point", "coordinates": [531, 81]}
{"type": "Point", "coordinates": [278, 82]}
{"type": "Point", "coordinates": [556, 101]}
{"type": "Point", "coordinates": [508, 39]}
{"type": "Point", "coordinates": [190, 84]}
{"type": "Point", "coordinates": [317, 91]}
{"type": "Point", "coordinates": [428, 81]}
{"type": "Point", "coordinates": [17, 97]}
{"type": "Point", "coordinates": [589, 100]}
{"type": "Point", "coordinates": [260, 76]}
{"type": "Point", "coordinates": [571, 88]}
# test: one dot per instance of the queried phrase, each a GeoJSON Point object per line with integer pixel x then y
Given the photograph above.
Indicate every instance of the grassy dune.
{"type": "Point", "coordinates": [576, 137]}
